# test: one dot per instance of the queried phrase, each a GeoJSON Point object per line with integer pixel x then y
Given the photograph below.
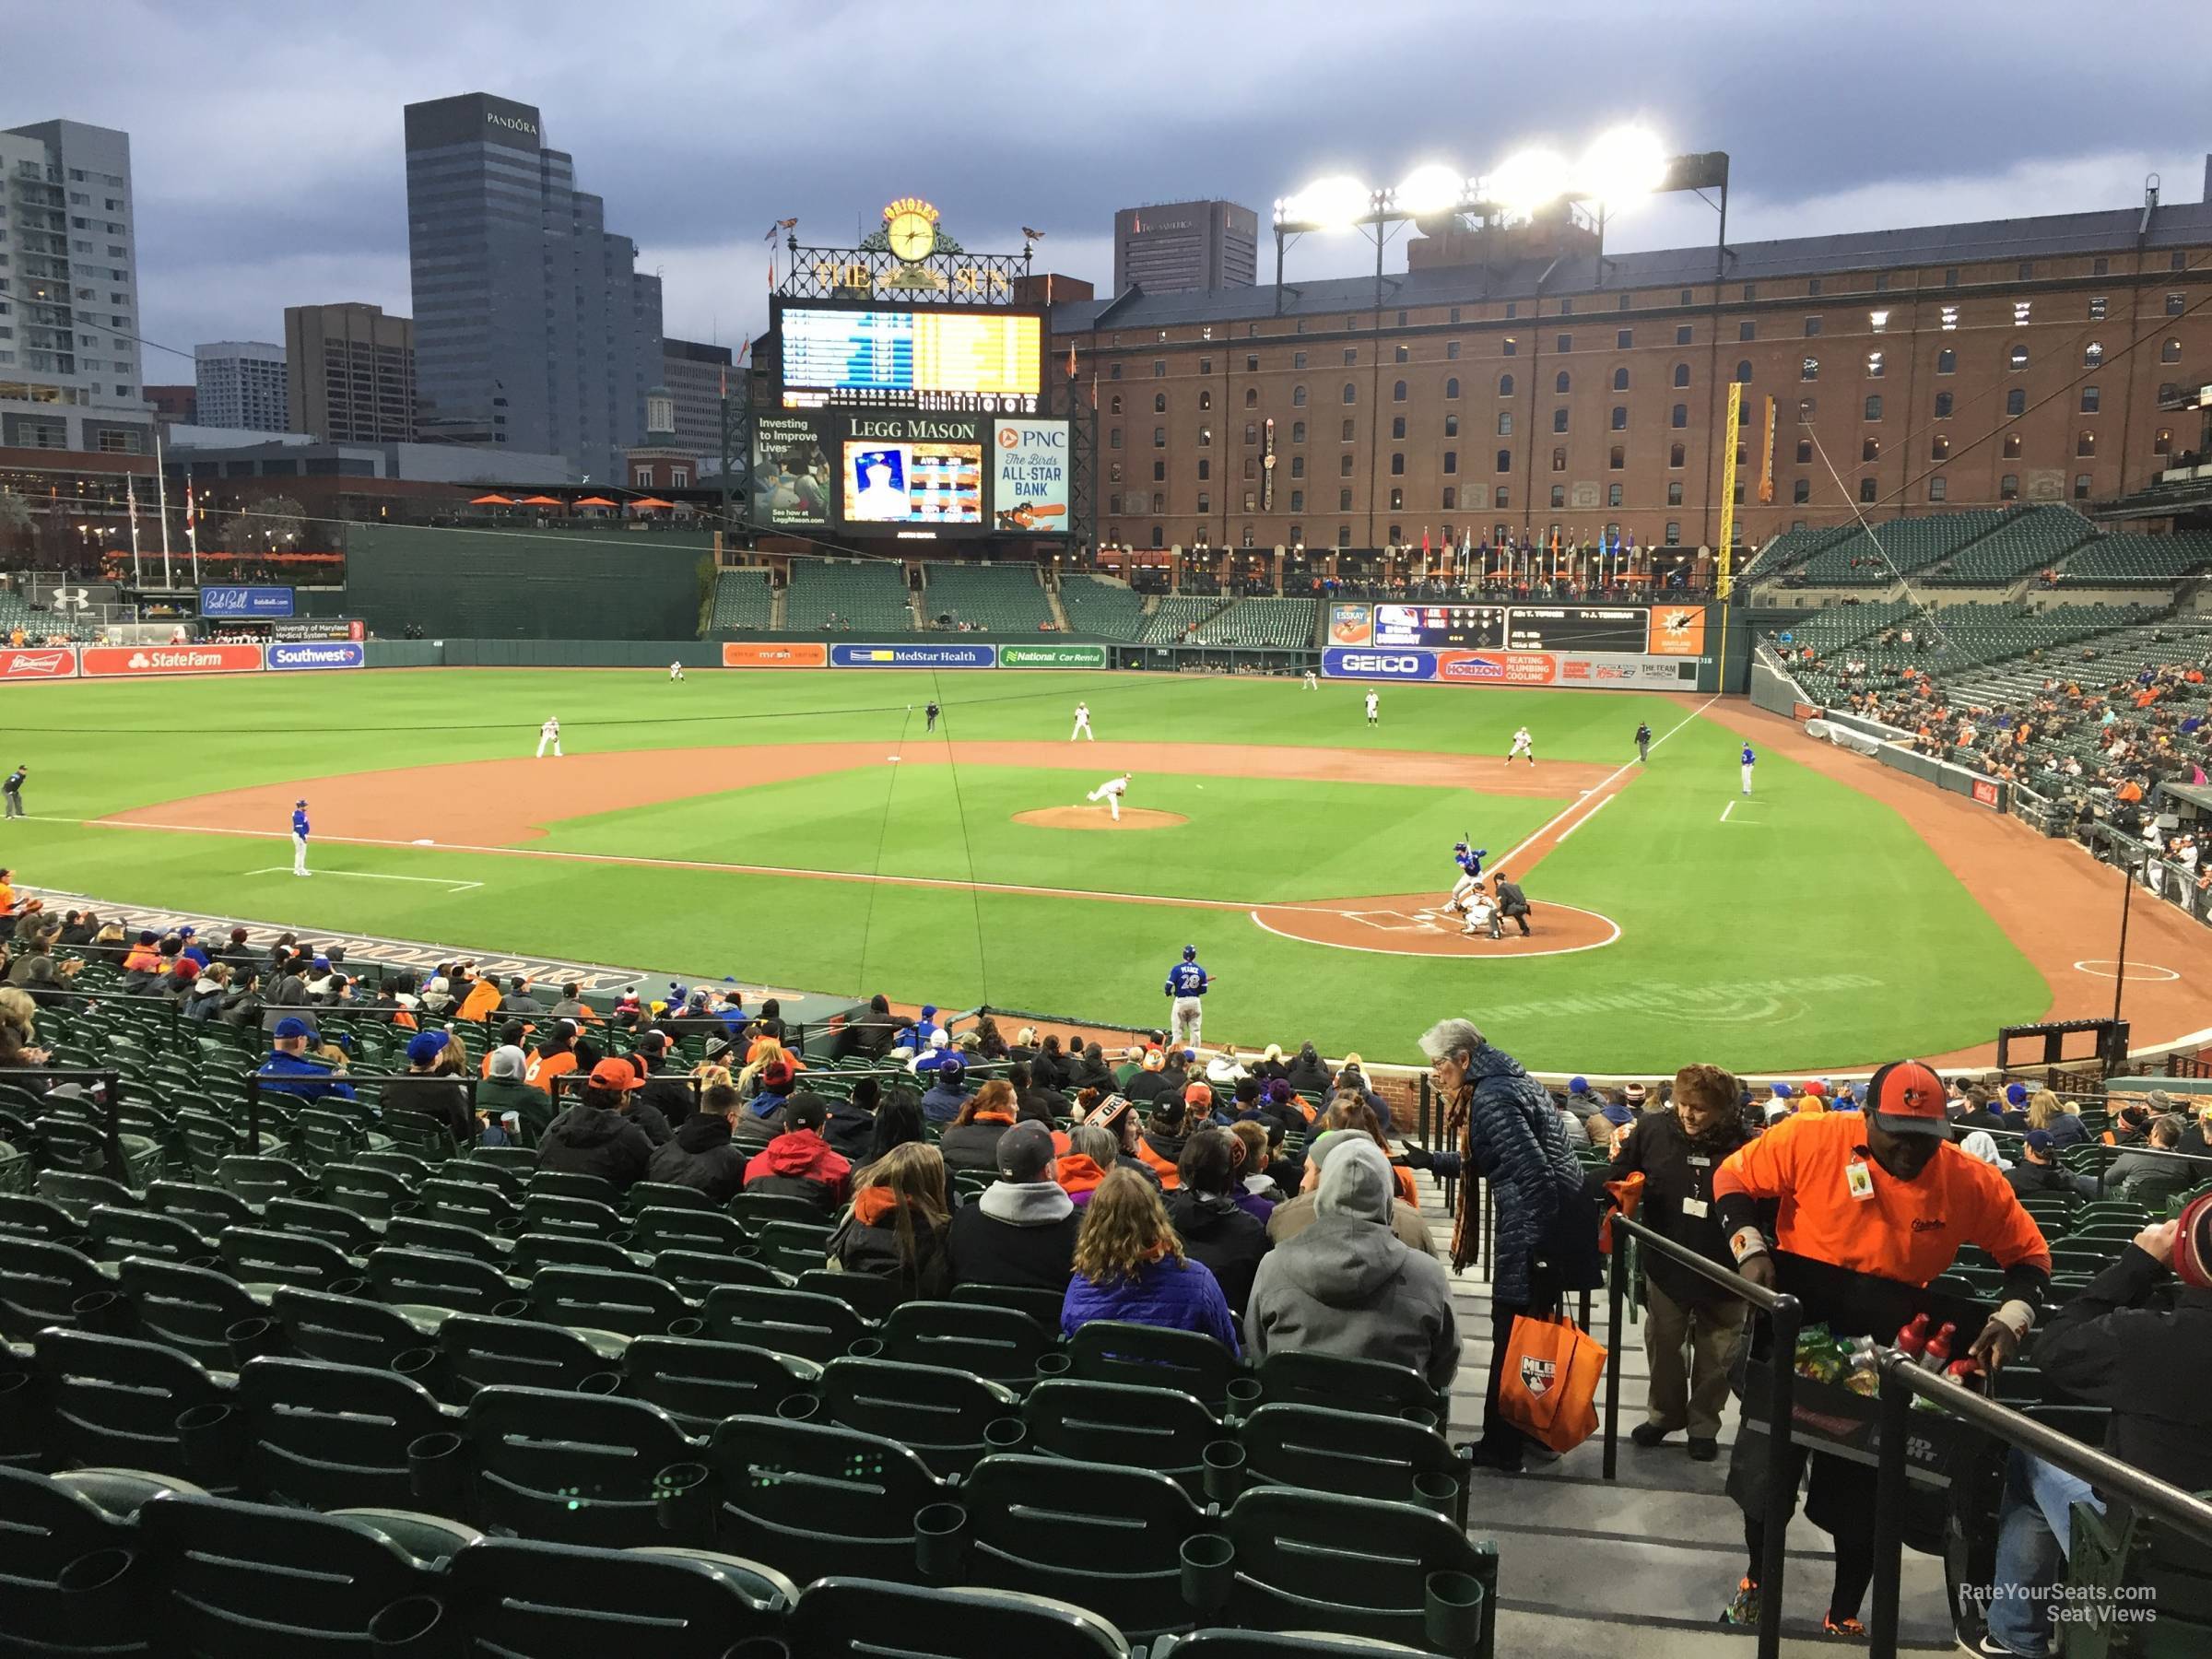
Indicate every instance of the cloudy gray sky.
{"type": "Point", "coordinates": [267, 132]}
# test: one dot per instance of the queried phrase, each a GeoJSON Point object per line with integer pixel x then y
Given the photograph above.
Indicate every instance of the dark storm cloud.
{"type": "Point", "coordinates": [266, 135]}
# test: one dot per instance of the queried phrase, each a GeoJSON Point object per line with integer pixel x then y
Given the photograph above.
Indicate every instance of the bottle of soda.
{"type": "Point", "coordinates": [1965, 1372]}
{"type": "Point", "coordinates": [1913, 1341]}
{"type": "Point", "coordinates": [1938, 1352]}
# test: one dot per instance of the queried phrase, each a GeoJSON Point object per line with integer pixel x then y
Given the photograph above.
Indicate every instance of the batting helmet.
{"type": "Point", "coordinates": [1190, 953]}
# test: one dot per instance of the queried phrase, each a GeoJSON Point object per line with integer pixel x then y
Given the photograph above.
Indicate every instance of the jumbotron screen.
{"type": "Point", "coordinates": [972, 362]}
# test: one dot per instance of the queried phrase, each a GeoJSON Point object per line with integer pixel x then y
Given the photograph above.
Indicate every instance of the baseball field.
{"type": "Point", "coordinates": [804, 829]}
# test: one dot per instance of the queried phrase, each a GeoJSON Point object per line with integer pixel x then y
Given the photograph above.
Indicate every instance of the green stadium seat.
{"type": "Point", "coordinates": [477, 1351]}
{"type": "Point", "coordinates": [193, 1309]}
{"type": "Point", "coordinates": [1043, 1306]}
{"type": "Point", "coordinates": [343, 1330]}
{"type": "Point", "coordinates": [949, 1418]}
{"type": "Point", "coordinates": [1357, 1453]}
{"type": "Point", "coordinates": [996, 1344]}
{"type": "Point", "coordinates": [111, 1400]}
{"type": "Point", "coordinates": [1116, 1422]}
{"type": "Point", "coordinates": [113, 1233]}
{"type": "Point", "coordinates": [1108, 1535]}
{"type": "Point", "coordinates": [1108, 1351]}
{"type": "Point", "coordinates": [73, 1581]}
{"type": "Point", "coordinates": [819, 1328]}
{"type": "Point", "coordinates": [1375, 1385]}
{"type": "Point", "coordinates": [568, 1468]}
{"type": "Point", "coordinates": [625, 1304]}
{"type": "Point", "coordinates": [906, 1621]}
{"type": "Point", "coordinates": [697, 1272]}
{"type": "Point", "coordinates": [320, 1436]}
{"type": "Point", "coordinates": [533, 1600]}
{"type": "Point", "coordinates": [804, 1497]}
{"type": "Point", "coordinates": [698, 1383]}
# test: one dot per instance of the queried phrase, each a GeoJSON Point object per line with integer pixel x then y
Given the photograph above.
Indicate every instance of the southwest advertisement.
{"type": "Point", "coordinates": [332, 654]}
{"type": "Point", "coordinates": [1029, 476]}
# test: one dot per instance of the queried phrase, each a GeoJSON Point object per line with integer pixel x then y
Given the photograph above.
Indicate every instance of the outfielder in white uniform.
{"type": "Point", "coordinates": [1111, 792]}
{"type": "Point", "coordinates": [1373, 704]}
{"type": "Point", "coordinates": [1523, 744]}
{"type": "Point", "coordinates": [675, 671]}
{"type": "Point", "coordinates": [1312, 680]}
{"type": "Point", "coordinates": [548, 733]}
{"type": "Point", "coordinates": [1082, 724]}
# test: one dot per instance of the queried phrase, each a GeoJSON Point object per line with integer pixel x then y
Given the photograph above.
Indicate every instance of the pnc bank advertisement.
{"type": "Point", "coordinates": [1029, 476]}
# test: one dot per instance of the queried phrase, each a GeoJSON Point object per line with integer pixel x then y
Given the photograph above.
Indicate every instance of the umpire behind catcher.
{"type": "Point", "coordinates": [1512, 903]}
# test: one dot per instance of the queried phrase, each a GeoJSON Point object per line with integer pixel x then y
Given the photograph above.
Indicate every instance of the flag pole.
{"type": "Point", "coordinates": [161, 489]}
{"type": "Point", "coordinates": [130, 495]}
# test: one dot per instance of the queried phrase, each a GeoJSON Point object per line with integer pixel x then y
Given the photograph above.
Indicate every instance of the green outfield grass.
{"type": "Point", "coordinates": [1812, 928]}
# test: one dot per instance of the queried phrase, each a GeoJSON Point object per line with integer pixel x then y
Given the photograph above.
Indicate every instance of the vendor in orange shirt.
{"type": "Point", "coordinates": [1883, 1193]}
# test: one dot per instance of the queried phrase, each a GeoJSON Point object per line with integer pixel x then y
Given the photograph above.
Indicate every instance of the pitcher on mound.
{"type": "Point", "coordinates": [1111, 792]}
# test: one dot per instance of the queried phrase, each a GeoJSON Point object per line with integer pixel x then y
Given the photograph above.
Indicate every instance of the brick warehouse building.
{"type": "Point", "coordinates": [1509, 385]}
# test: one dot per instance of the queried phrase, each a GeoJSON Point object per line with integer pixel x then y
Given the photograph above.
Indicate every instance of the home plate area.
{"type": "Point", "coordinates": [1418, 924]}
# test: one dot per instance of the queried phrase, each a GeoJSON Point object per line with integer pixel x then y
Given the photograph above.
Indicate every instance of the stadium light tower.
{"type": "Point", "coordinates": [1620, 166]}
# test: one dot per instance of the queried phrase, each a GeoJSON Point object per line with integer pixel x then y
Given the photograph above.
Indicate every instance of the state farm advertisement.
{"type": "Point", "coordinates": [37, 662]}
{"type": "Point", "coordinates": [140, 662]}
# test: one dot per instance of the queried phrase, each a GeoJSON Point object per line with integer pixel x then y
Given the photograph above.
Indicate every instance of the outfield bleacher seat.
{"type": "Point", "coordinates": [1900, 546]}
{"type": "Point", "coordinates": [867, 596]}
{"type": "Point", "coordinates": [1176, 617]}
{"type": "Point", "coordinates": [1261, 622]}
{"type": "Point", "coordinates": [2036, 539]}
{"type": "Point", "coordinates": [2131, 560]}
{"type": "Point", "coordinates": [1102, 608]}
{"type": "Point", "coordinates": [1002, 598]}
{"type": "Point", "coordinates": [742, 600]}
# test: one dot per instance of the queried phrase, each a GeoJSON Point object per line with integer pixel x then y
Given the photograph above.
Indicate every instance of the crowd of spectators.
{"type": "Point", "coordinates": [1265, 1199]}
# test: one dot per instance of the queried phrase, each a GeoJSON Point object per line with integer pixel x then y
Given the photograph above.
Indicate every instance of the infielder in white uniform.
{"type": "Point", "coordinates": [675, 671]}
{"type": "Point", "coordinates": [1312, 680]}
{"type": "Point", "coordinates": [1523, 744]}
{"type": "Point", "coordinates": [1111, 792]}
{"type": "Point", "coordinates": [1373, 704]}
{"type": "Point", "coordinates": [1082, 724]}
{"type": "Point", "coordinates": [548, 733]}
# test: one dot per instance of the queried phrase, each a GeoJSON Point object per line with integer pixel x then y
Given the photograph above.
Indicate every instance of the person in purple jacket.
{"type": "Point", "coordinates": [1129, 1266]}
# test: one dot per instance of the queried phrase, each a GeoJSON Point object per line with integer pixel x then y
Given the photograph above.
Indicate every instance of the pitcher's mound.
{"type": "Point", "coordinates": [1099, 818]}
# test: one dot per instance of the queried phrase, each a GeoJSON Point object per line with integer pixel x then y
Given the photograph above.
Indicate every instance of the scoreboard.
{"type": "Point", "coordinates": [1469, 627]}
{"type": "Point", "coordinates": [1621, 629]}
{"type": "Point", "coordinates": [978, 362]}
{"type": "Point", "coordinates": [1579, 628]}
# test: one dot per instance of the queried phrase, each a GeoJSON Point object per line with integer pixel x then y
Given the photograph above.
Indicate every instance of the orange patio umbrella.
{"type": "Point", "coordinates": [492, 500]}
{"type": "Point", "coordinates": [539, 501]}
{"type": "Point", "coordinates": [649, 503]}
{"type": "Point", "coordinates": [592, 502]}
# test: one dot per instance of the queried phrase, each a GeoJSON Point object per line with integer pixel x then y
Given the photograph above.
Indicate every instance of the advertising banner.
{"type": "Point", "coordinates": [301, 653]}
{"type": "Point", "coordinates": [245, 602]}
{"type": "Point", "coordinates": [1342, 662]}
{"type": "Point", "coordinates": [1052, 656]}
{"type": "Point", "coordinates": [1985, 791]}
{"type": "Point", "coordinates": [1570, 670]}
{"type": "Point", "coordinates": [134, 662]}
{"type": "Point", "coordinates": [750, 653]}
{"type": "Point", "coordinates": [1029, 476]}
{"type": "Point", "coordinates": [925, 471]}
{"type": "Point", "coordinates": [913, 656]}
{"type": "Point", "coordinates": [1677, 631]}
{"type": "Point", "coordinates": [794, 479]}
{"type": "Point", "coordinates": [1498, 667]}
{"type": "Point", "coordinates": [37, 662]}
{"type": "Point", "coordinates": [1351, 625]}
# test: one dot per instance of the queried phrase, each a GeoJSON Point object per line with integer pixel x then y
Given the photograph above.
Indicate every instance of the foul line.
{"type": "Point", "coordinates": [702, 864]}
{"type": "Point", "coordinates": [1507, 863]}
{"type": "Point", "coordinates": [446, 882]}
{"type": "Point", "coordinates": [1726, 810]}
{"type": "Point", "coordinates": [1586, 817]}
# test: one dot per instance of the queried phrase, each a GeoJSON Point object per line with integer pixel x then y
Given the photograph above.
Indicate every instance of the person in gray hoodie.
{"type": "Point", "coordinates": [1347, 1286]}
{"type": "Point", "coordinates": [1022, 1230]}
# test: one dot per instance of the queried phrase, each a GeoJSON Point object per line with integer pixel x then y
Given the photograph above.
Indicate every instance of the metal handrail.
{"type": "Point", "coordinates": [1902, 1379]}
{"type": "Point", "coordinates": [1787, 1316]}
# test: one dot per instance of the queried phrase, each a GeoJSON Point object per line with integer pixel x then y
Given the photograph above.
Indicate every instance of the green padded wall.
{"type": "Point", "coordinates": [554, 584]}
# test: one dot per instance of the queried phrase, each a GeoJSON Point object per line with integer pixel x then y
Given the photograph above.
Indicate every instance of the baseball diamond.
{"type": "Point", "coordinates": [804, 829]}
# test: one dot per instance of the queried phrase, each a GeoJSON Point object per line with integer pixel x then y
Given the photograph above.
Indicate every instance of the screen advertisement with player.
{"type": "Point", "coordinates": [976, 362]}
{"type": "Point", "coordinates": [921, 481]}
{"type": "Point", "coordinates": [792, 470]}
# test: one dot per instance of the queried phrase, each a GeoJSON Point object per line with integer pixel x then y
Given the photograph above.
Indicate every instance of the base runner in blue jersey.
{"type": "Point", "coordinates": [1186, 984]}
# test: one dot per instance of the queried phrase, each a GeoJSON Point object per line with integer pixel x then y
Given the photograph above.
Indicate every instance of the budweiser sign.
{"type": "Point", "coordinates": [53, 662]}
